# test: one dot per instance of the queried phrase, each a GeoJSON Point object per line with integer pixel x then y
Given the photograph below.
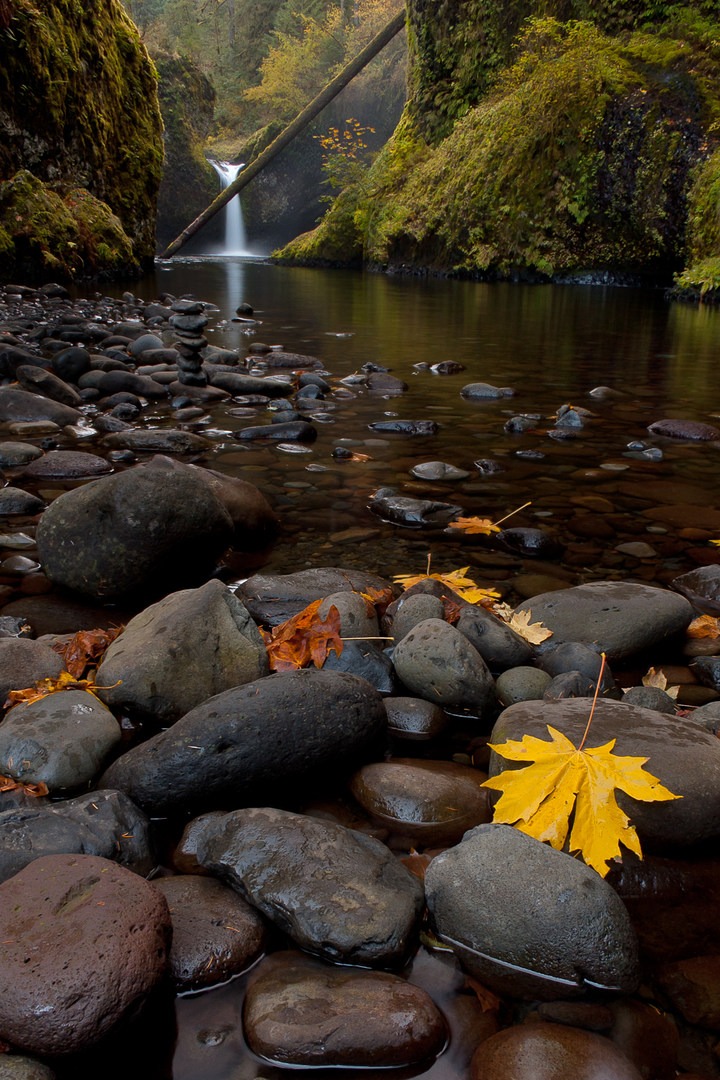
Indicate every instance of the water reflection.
{"type": "Point", "coordinates": [553, 344]}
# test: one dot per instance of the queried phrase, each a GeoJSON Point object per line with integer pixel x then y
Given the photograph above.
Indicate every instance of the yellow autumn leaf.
{"type": "Point", "coordinates": [43, 687]}
{"type": "Point", "coordinates": [475, 525]}
{"type": "Point", "coordinates": [567, 795]}
{"type": "Point", "coordinates": [715, 542]}
{"type": "Point", "coordinates": [457, 580]}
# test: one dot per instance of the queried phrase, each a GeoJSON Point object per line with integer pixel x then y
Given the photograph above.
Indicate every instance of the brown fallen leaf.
{"type": "Point", "coordinates": [704, 626]}
{"type": "Point", "coordinates": [519, 621]}
{"type": "Point", "coordinates": [489, 1002]}
{"type": "Point", "coordinates": [86, 648]}
{"type": "Point", "coordinates": [653, 677]}
{"type": "Point", "coordinates": [416, 863]}
{"type": "Point", "coordinates": [304, 639]}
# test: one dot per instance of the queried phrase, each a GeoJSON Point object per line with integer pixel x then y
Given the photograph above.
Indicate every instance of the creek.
{"type": "Point", "coordinates": [553, 345]}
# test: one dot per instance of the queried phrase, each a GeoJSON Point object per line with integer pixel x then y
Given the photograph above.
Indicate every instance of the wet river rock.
{"type": "Point", "coordinates": [550, 1052]}
{"type": "Point", "coordinates": [337, 893]}
{"type": "Point", "coordinates": [215, 933]}
{"type": "Point", "coordinates": [301, 1012]}
{"type": "Point", "coordinates": [438, 663]}
{"type": "Point", "coordinates": [62, 740]}
{"type": "Point", "coordinates": [273, 598]}
{"type": "Point", "coordinates": [23, 662]}
{"type": "Point", "coordinates": [619, 618]}
{"type": "Point", "coordinates": [414, 513]}
{"type": "Point", "coordinates": [85, 942]}
{"type": "Point", "coordinates": [431, 803]}
{"type": "Point", "coordinates": [271, 731]}
{"type": "Point", "coordinates": [679, 751]}
{"type": "Point", "coordinates": [150, 527]}
{"type": "Point", "coordinates": [181, 651]}
{"type": "Point", "coordinates": [528, 920]}
{"type": "Point", "coordinates": [102, 823]}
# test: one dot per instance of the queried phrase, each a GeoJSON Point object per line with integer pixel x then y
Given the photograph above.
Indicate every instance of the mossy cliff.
{"type": "Point", "coordinates": [189, 182]}
{"type": "Point", "coordinates": [544, 141]}
{"type": "Point", "coordinates": [80, 123]}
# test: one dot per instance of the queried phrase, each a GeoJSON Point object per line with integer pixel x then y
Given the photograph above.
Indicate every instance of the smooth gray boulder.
{"type": "Point", "coordinates": [619, 618]}
{"type": "Point", "coordinates": [152, 527]}
{"type": "Point", "coordinates": [62, 740]}
{"type": "Point", "coordinates": [104, 823]}
{"type": "Point", "coordinates": [438, 663]}
{"type": "Point", "coordinates": [337, 893]}
{"type": "Point", "coordinates": [273, 598]}
{"type": "Point", "coordinates": [273, 731]}
{"type": "Point", "coordinates": [180, 651]}
{"type": "Point", "coordinates": [85, 943]}
{"type": "Point", "coordinates": [530, 921]}
{"type": "Point", "coordinates": [680, 752]}
{"type": "Point", "coordinates": [21, 405]}
{"type": "Point", "coordinates": [23, 662]}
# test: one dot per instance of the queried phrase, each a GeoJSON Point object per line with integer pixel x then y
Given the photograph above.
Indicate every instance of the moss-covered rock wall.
{"type": "Point", "coordinates": [79, 110]}
{"type": "Point", "coordinates": [544, 140]}
{"type": "Point", "coordinates": [189, 182]}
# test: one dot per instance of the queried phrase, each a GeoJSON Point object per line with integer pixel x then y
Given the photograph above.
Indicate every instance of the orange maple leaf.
{"type": "Point", "coordinates": [704, 626]}
{"type": "Point", "coordinates": [304, 639]}
{"type": "Point", "coordinates": [7, 783]}
{"type": "Point", "coordinates": [86, 648]}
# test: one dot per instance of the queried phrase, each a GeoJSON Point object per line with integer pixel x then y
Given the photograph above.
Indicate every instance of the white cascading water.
{"type": "Point", "coordinates": [235, 243]}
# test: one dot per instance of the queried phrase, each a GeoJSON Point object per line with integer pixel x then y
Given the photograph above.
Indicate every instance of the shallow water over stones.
{"type": "Point", "coordinates": [591, 370]}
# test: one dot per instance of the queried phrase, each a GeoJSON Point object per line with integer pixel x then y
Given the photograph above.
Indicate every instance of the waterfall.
{"type": "Point", "coordinates": [235, 243]}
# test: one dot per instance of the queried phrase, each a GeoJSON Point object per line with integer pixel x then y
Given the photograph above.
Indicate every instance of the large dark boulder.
{"type": "Point", "coordinates": [153, 527]}
{"type": "Point", "coordinates": [266, 734]}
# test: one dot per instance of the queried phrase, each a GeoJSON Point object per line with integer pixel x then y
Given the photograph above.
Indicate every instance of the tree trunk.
{"type": "Point", "coordinates": [294, 128]}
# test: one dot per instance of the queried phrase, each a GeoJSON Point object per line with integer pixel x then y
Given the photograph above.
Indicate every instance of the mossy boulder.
{"type": "Point", "coordinates": [79, 110]}
{"type": "Point", "coordinates": [43, 234]}
{"type": "Point", "coordinates": [575, 152]}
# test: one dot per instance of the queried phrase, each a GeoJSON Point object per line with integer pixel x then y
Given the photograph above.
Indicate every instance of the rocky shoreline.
{"type": "Point", "coordinates": [189, 814]}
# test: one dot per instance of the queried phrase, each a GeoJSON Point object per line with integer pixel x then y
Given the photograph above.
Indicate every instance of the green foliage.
{"type": "Point", "coordinates": [579, 159]}
{"type": "Point", "coordinates": [42, 233]}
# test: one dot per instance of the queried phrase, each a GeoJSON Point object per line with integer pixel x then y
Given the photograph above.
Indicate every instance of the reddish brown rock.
{"type": "Point", "coordinates": [432, 802]}
{"type": "Point", "coordinates": [216, 934]}
{"type": "Point", "coordinates": [85, 941]}
{"type": "Point", "coordinates": [550, 1052]}
{"type": "Point", "coordinates": [300, 1012]}
{"type": "Point", "coordinates": [693, 986]}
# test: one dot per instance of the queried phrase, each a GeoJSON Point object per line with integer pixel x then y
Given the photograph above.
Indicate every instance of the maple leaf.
{"type": "Point", "coordinates": [519, 621]}
{"type": "Point", "coordinates": [86, 648]}
{"type": "Point", "coordinates": [304, 639]}
{"type": "Point", "coordinates": [653, 677]}
{"type": "Point", "coordinates": [475, 525]}
{"type": "Point", "coordinates": [483, 526]}
{"type": "Point", "coordinates": [7, 783]}
{"type": "Point", "coordinates": [563, 781]}
{"type": "Point", "coordinates": [457, 580]}
{"type": "Point", "coordinates": [43, 687]}
{"type": "Point", "coordinates": [704, 626]}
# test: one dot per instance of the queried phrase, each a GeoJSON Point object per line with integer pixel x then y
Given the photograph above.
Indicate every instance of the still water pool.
{"type": "Point", "coordinates": [610, 484]}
